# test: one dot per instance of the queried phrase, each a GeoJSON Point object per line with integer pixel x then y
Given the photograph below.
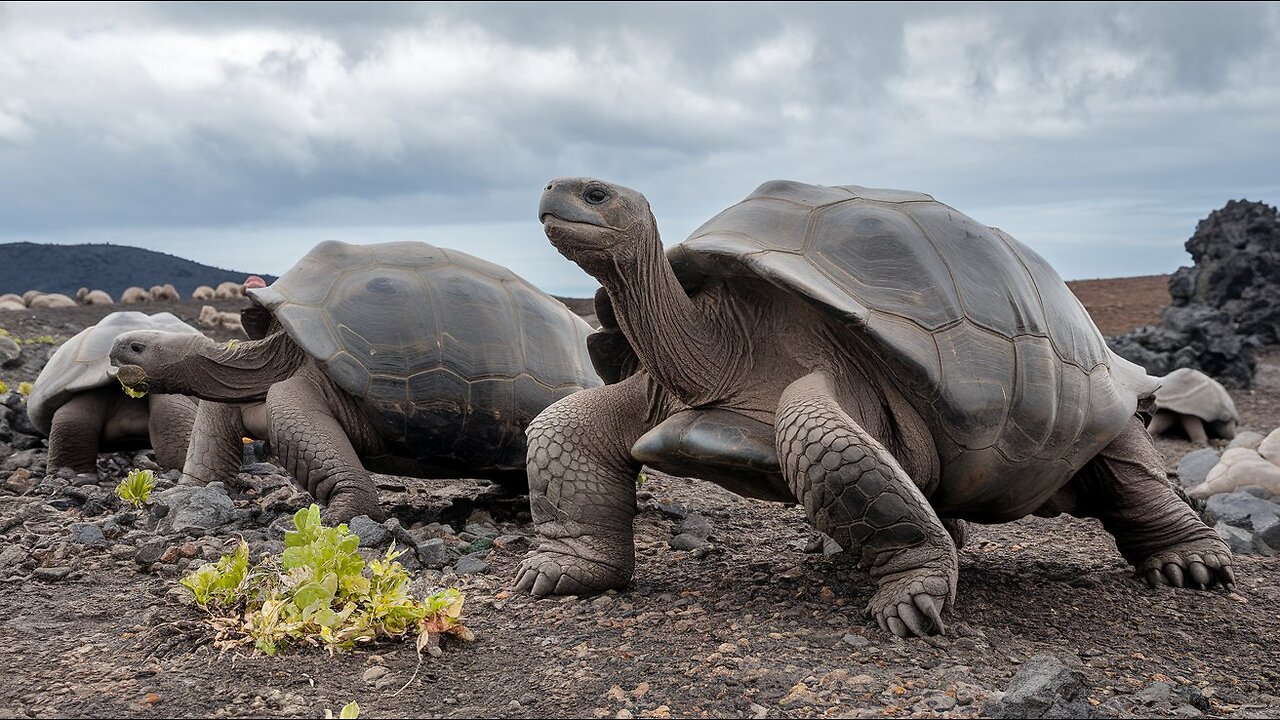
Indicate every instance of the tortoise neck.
{"type": "Point", "coordinates": [677, 343]}
{"type": "Point", "coordinates": [241, 371]}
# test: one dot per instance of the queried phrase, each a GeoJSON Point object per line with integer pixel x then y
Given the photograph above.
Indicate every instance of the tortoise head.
{"type": "Point", "coordinates": [598, 225]}
{"type": "Point", "coordinates": [152, 357]}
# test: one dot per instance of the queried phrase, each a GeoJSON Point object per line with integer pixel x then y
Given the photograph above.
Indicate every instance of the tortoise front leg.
{"type": "Point", "coordinates": [1194, 428]}
{"type": "Point", "coordinates": [77, 431]}
{"type": "Point", "coordinates": [1161, 422]}
{"type": "Point", "coordinates": [315, 448]}
{"type": "Point", "coordinates": [582, 490]}
{"type": "Point", "coordinates": [216, 449]}
{"type": "Point", "coordinates": [170, 419]}
{"type": "Point", "coordinates": [855, 491]}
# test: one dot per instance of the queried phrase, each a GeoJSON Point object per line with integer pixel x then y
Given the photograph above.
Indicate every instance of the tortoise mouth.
{"type": "Point", "coordinates": [132, 376]}
{"type": "Point", "coordinates": [576, 234]}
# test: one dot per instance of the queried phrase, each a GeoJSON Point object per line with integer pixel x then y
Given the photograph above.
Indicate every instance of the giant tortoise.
{"type": "Point", "coordinates": [77, 403]}
{"type": "Point", "coordinates": [875, 355]}
{"type": "Point", "coordinates": [1190, 401]}
{"type": "Point", "coordinates": [402, 357]}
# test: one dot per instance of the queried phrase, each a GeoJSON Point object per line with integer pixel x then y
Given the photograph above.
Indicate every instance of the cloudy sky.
{"type": "Point", "coordinates": [242, 134]}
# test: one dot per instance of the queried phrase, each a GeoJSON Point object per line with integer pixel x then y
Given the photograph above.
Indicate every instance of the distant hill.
{"type": "Point", "coordinates": [66, 268]}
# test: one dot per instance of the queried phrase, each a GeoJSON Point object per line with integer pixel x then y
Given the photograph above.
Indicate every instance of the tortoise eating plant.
{"type": "Point", "coordinates": [402, 357]}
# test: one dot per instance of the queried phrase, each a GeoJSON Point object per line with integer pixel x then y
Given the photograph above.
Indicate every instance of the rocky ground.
{"type": "Point", "coordinates": [750, 619]}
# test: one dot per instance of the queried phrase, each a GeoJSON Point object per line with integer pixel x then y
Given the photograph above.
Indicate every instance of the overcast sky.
{"type": "Point", "coordinates": [242, 134]}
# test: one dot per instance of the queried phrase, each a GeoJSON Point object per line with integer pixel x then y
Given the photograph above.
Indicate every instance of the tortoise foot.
{"type": "Point", "coordinates": [910, 604]}
{"type": "Point", "coordinates": [344, 506]}
{"type": "Point", "coordinates": [1197, 564]}
{"type": "Point", "coordinates": [577, 566]}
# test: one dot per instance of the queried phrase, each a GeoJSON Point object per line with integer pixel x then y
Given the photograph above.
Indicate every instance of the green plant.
{"type": "Point", "coordinates": [41, 340]}
{"type": "Point", "coordinates": [24, 389]}
{"type": "Point", "coordinates": [136, 391]}
{"type": "Point", "coordinates": [136, 487]}
{"type": "Point", "coordinates": [3, 388]}
{"type": "Point", "coordinates": [320, 592]}
{"type": "Point", "coordinates": [350, 711]}
{"type": "Point", "coordinates": [640, 479]}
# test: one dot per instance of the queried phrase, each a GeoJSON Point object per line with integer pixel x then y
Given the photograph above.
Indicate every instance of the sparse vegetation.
{"type": "Point", "coordinates": [3, 388]}
{"type": "Point", "coordinates": [136, 487]}
{"type": "Point", "coordinates": [320, 592]}
{"type": "Point", "coordinates": [24, 389]}
{"type": "Point", "coordinates": [350, 711]}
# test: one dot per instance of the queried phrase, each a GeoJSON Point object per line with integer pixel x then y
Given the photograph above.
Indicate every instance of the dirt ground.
{"type": "Point", "coordinates": [756, 623]}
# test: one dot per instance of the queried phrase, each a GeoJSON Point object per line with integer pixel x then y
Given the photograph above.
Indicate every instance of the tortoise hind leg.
{"type": "Point", "coordinates": [582, 489]}
{"type": "Point", "coordinates": [854, 490]}
{"type": "Point", "coordinates": [1126, 488]}
{"type": "Point", "coordinates": [314, 445]}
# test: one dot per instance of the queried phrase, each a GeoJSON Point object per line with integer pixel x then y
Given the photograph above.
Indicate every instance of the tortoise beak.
{"type": "Point", "coordinates": [561, 200]}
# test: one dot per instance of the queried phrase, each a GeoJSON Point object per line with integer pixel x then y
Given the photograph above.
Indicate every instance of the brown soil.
{"type": "Point", "coordinates": [1119, 305]}
{"type": "Point", "coordinates": [753, 625]}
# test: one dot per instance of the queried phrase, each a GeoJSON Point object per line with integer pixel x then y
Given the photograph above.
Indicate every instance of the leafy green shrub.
{"type": "Point", "coordinates": [320, 593]}
{"type": "Point", "coordinates": [136, 487]}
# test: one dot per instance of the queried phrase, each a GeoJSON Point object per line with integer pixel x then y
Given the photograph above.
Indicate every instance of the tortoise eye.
{"type": "Point", "coordinates": [595, 195]}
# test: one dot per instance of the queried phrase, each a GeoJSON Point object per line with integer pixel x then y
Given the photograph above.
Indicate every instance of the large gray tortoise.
{"type": "Point", "coordinates": [78, 404]}
{"type": "Point", "coordinates": [872, 354]}
{"type": "Point", "coordinates": [402, 357]}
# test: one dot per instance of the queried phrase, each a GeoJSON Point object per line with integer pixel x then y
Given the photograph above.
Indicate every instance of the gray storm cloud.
{"type": "Point", "coordinates": [1096, 133]}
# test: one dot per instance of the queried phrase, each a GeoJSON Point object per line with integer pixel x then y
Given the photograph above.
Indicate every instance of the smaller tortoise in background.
{"type": "Point", "coordinates": [403, 358]}
{"type": "Point", "coordinates": [78, 404]}
{"type": "Point", "coordinates": [1190, 401]}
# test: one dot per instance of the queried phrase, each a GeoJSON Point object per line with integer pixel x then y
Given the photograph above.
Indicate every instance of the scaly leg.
{"type": "Point", "coordinates": [170, 419]}
{"type": "Point", "coordinates": [582, 490]}
{"type": "Point", "coordinates": [856, 492]}
{"type": "Point", "coordinates": [315, 448]}
{"type": "Point", "coordinates": [216, 447]}
{"type": "Point", "coordinates": [77, 431]}
{"type": "Point", "coordinates": [1125, 487]}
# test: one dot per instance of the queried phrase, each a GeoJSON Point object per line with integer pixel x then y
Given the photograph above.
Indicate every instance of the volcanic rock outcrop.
{"type": "Point", "coordinates": [1225, 306]}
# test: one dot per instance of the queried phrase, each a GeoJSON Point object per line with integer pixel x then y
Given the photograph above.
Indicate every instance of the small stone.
{"type": "Point", "coordinates": [481, 530]}
{"type": "Point", "coordinates": [1247, 439]}
{"type": "Point", "coordinates": [374, 673]}
{"type": "Point", "coordinates": [1154, 693]}
{"type": "Point", "coordinates": [624, 714]}
{"type": "Point", "coordinates": [82, 479]}
{"type": "Point", "coordinates": [12, 556]}
{"type": "Point", "coordinates": [695, 524]}
{"type": "Point", "coordinates": [1239, 541]}
{"type": "Point", "coordinates": [855, 641]}
{"type": "Point", "coordinates": [758, 712]}
{"type": "Point", "coordinates": [87, 534]}
{"type": "Point", "coordinates": [149, 553]}
{"type": "Point", "coordinates": [1044, 686]}
{"type": "Point", "coordinates": [371, 534]}
{"type": "Point", "coordinates": [20, 482]}
{"type": "Point", "coordinates": [52, 574]}
{"type": "Point", "coordinates": [685, 541]}
{"type": "Point", "coordinates": [675, 510]}
{"type": "Point", "coordinates": [10, 351]}
{"type": "Point", "coordinates": [512, 543]}
{"type": "Point", "coordinates": [514, 706]}
{"type": "Point", "coordinates": [433, 554]}
{"type": "Point", "coordinates": [260, 468]}
{"type": "Point", "coordinates": [152, 698]}
{"type": "Point", "coordinates": [472, 564]}
{"type": "Point", "coordinates": [1194, 467]}
{"type": "Point", "coordinates": [940, 702]}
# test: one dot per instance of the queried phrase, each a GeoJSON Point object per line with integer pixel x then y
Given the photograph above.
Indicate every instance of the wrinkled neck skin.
{"type": "Point", "coordinates": [229, 372]}
{"type": "Point", "coordinates": [682, 348]}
